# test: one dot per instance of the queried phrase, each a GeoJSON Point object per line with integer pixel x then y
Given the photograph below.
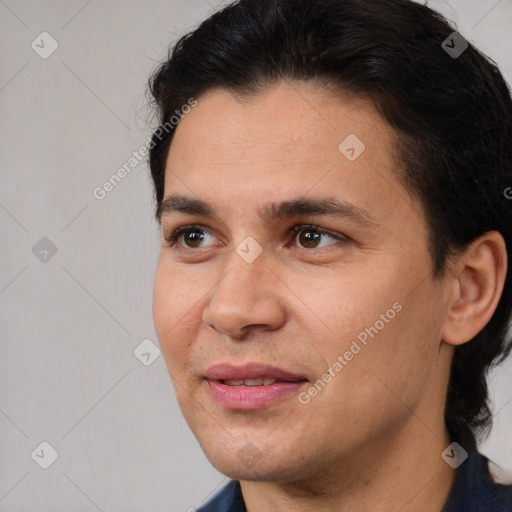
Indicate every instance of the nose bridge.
{"type": "Point", "coordinates": [246, 272]}
{"type": "Point", "coordinates": [244, 296]}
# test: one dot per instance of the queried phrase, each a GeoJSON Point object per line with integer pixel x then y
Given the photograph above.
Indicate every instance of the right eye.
{"type": "Point", "coordinates": [191, 235]}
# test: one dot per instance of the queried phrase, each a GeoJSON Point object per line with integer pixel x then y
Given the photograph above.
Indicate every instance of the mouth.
{"type": "Point", "coordinates": [258, 381]}
{"type": "Point", "coordinates": [252, 386]}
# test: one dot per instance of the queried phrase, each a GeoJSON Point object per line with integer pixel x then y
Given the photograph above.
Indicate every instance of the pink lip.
{"type": "Point", "coordinates": [227, 371]}
{"type": "Point", "coordinates": [250, 397]}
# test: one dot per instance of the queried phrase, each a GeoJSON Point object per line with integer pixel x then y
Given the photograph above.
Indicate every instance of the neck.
{"type": "Point", "coordinates": [397, 471]}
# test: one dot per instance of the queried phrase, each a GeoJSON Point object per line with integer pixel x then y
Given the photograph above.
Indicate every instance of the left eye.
{"type": "Point", "coordinates": [308, 236]}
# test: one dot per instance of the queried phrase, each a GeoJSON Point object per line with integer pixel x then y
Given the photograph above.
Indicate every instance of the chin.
{"type": "Point", "coordinates": [236, 470]}
{"type": "Point", "coordinates": [244, 461]}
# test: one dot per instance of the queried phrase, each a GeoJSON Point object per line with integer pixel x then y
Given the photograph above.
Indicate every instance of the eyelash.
{"type": "Point", "coordinates": [172, 238]}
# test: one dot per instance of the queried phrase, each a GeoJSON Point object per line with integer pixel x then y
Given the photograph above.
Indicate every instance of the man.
{"type": "Point", "coordinates": [332, 284]}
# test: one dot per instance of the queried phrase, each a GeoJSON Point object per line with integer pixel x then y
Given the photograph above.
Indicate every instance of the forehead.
{"type": "Point", "coordinates": [288, 141]}
{"type": "Point", "coordinates": [295, 118]}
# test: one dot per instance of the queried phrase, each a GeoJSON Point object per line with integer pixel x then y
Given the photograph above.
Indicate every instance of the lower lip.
{"type": "Point", "coordinates": [251, 397]}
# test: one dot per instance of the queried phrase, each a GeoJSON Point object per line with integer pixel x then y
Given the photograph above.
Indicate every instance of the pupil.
{"type": "Point", "coordinates": [309, 238]}
{"type": "Point", "coordinates": [193, 237]}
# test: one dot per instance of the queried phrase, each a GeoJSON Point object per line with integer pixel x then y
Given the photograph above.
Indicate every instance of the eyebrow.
{"type": "Point", "coordinates": [330, 207]}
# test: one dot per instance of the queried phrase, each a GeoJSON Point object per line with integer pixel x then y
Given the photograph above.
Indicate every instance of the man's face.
{"type": "Point", "coordinates": [241, 289]}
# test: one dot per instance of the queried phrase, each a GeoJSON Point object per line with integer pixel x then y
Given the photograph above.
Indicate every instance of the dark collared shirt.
{"type": "Point", "coordinates": [473, 489]}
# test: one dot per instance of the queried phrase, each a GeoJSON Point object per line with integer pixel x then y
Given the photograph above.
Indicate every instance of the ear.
{"type": "Point", "coordinates": [475, 283]}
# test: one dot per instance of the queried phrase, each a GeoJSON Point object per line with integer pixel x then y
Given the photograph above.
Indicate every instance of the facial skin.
{"type": "Point", "coordinates": [372, 438]}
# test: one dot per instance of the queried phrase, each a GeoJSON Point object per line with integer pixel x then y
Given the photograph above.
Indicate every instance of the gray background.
{"type": "Point", "coordinates": [70, 324]}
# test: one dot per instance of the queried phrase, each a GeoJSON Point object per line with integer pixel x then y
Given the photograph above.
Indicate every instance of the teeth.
{"type": "Point", "coordinates": [260, 381]}
{"type": "Point", "coordinates": [254, 382]}
{"type": "Point", "coordinates": [234, 382]}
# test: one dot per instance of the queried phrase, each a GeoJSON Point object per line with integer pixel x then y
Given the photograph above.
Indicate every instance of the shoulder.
{"type": "Point", "coordinates": [475, 491]}
{"type": "Point", "coordinates": [228, 499]}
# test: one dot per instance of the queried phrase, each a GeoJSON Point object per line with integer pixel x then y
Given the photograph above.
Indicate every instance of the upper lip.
{"type": "Point", "coordinates": [228, 371]}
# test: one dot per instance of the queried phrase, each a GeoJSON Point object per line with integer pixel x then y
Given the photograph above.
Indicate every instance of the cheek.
{"type": "Point", "coordinates": [401, 357]}
{"type": "Point", "coordinates": [349, 305]}
{"type": "Point", "coordinates": [172, 315]}
{"type": "Point", "coordinates": [384, 329]}
{"type": "Point", "coordinates": [163, 302]}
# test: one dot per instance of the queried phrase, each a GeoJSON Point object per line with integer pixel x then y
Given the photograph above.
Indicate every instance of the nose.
{"type": "Point", "coordinates": [247, 298]}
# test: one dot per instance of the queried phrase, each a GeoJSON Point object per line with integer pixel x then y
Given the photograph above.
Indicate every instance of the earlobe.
{"type": "Point", "coordinates": [476, 283]}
